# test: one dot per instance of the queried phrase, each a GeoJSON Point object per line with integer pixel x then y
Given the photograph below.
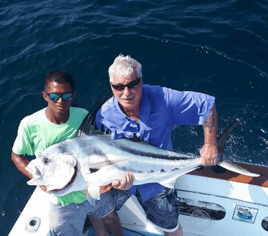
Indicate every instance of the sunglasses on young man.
{"type": "Point", "coordinates": [56, 96]}
{"type": "Point", "coordinates": [121, 87]}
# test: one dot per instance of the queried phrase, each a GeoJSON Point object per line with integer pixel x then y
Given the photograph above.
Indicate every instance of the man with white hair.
{"type": "Point", "coordinates": [150, 114]}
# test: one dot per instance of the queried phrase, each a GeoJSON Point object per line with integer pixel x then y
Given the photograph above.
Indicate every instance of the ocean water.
{"type": "Point", "coordinates": [214, 47]}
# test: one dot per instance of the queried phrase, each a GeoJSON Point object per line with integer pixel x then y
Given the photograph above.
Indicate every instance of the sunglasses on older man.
{"type": "Point", "coordinates": [121, 87]}
{"type": "Point", "coordinates": [56, 96]}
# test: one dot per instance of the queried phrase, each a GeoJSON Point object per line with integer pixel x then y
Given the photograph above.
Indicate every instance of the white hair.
{"type": "Point", "coordinates": [125, 66]}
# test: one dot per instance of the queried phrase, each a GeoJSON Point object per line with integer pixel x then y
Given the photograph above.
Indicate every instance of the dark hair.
{"type": "Point", "coordinates": [59, 76]}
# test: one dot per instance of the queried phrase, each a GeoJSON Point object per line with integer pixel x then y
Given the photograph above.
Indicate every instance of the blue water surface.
{"type": "Point", "coordinates": [214, 47]}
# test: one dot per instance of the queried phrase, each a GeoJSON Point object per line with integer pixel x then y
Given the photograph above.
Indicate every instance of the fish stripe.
{"type": "Point", "coordinates": [92, 170]}
{"type": "Point", "coordinates": [148, 154]}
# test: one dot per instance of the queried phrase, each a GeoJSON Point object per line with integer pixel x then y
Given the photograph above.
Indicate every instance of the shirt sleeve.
{"type": "Point", "coordinates": [189, 108]}
{"type": "Point", "coordinates": [22, 144]}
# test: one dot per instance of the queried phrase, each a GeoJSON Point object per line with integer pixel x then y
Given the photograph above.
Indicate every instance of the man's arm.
{"type": "Point", "coordinates": [21, 163]}
{"type": "Point", "coordinates": [124, 184]}
{"type": "Point", "coordinates": [209, 151]}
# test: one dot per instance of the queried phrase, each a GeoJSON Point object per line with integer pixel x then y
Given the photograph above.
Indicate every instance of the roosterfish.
{"type": "Point", "coordinates": [93, 159]}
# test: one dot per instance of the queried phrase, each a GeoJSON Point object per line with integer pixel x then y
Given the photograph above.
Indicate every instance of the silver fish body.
{"type": "Point", "coordinates": [101, 160]}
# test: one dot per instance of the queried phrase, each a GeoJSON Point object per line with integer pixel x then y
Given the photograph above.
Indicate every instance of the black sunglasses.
{"type": "Point", "coordinates": [121, 87]}
{"type": "Point", "coordinates": [56, 96]}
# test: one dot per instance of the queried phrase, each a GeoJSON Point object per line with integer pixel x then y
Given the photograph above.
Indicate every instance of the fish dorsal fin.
{"type": "Point", "coordinates": [88, 125]}
{"type": "Point", "coordinates": [225, 136]}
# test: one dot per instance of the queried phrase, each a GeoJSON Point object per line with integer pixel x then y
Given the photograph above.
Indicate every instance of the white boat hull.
{"type": "Point", "coordinates": [211, 204]}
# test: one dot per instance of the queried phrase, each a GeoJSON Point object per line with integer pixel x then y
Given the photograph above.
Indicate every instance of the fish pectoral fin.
{"type": "Point", "coordinates": [170, 182]}
{"type": "Point", "coordinates": [94, 191]}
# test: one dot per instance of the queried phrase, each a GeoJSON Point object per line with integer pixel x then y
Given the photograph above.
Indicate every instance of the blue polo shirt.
{"type": "Point", "coordinates": [161, 109]}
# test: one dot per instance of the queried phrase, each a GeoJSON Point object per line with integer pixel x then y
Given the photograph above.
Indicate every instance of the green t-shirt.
{"type": "Point", "coordinates": [36, 133]}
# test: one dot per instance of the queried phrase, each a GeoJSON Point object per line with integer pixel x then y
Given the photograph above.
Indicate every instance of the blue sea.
{"type": "Point", "coordinates": [214, 47]}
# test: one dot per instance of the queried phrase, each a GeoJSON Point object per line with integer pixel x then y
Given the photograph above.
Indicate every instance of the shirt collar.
{"type": "Point", "coordinates": [145, 109]}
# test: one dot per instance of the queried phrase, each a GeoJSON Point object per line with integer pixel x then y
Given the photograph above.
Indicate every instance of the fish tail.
{"type": "Point", "coordinates": [223, 161]}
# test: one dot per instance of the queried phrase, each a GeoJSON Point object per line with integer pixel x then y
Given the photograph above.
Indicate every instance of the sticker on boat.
{"type": "Point", "coordinates": [245, 214]}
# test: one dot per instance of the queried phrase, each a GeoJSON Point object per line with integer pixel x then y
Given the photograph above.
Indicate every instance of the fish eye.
{"type": "Point", "coordinates": [46, 161]}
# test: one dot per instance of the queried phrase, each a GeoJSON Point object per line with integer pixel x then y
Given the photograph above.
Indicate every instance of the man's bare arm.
{"type": "Point", "coordinates": [210, 127]}
{"type": "Point", "coordinates": [209, 151]}
{"type": "Point", "coordinates": [21, 163]}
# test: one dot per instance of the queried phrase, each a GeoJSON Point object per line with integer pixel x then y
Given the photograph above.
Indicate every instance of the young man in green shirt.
{"type": "Point", "coordinates": [55, 123]}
